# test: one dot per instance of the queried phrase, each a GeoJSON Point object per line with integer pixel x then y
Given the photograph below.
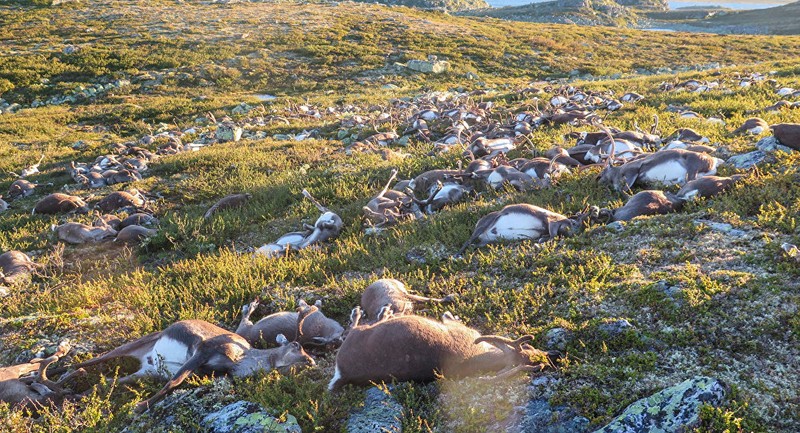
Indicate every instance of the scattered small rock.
{"type": "Point", "coordinates": [428, 66]}
{"type": "Point", "coordinates": [616, 327]}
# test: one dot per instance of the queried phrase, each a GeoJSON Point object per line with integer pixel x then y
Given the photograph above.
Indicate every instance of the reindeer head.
{"type": "Point", "coordinates": [519, 355]}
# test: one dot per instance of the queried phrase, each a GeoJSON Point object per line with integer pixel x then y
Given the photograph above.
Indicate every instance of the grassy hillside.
{"type": "Point", "coordinates": [733, 316]}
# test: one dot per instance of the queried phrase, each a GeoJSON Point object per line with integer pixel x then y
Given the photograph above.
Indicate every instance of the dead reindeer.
{"type": "Point", "coordinates": [122, 176]}
{"type": "Point", "coordinates": [191, 346]}
{"type": "Point", "coordinates": [415, 348]}
{"type": "Point", "coordinates": [16, 267]}
{"type": "Point", "coordinates": [622, 149]}
{"type": "Point", "coordinates": [788, 134]}
{"type": "Point", "coordinates": [392, 293]}
{"type": "Point", "coordinates": [483, 146]}
{"type": "Point", "coordinates": [669, 167]}
{"type": "Point", "coordinates": [60, 203]}
{"type": "Point", "coordinates": [228, 202]}
{"type": "Point", "coordinates": [20, 389]}
{"type": "Point", "coordinates": [644, 203]}
{"type": "Point", "coordinates": [21, 188]}
{"type": "Point", "coordinates": [562, 156]}
{"type": "Point", "coordinates": [540, 168]}
{"type": "Point", "coordinates": [390, 206]}
{"type": "Point", "coordinates": [122, 200]}
{"type": "Point", "coordinates": [426, 182]}
{"type": "Point", "coordinates": [688, 135]}
{"type": "Point", "coordinates": [289, 242]}
{"type": "Point", "coordinates": [108, 220]}
{"type": "Point", "coordinates": [507, 175]}
{"type": "Point", "coordinates": [308, 326]}
{"type": "Point", "coordinates": [30, 171]}
{"type": "Point", "coordinates": [520, 222]}
{"type": "Point", "coordinates": [3, 205]}
{"type": "Point", "coordinates": [707, 186]}
{"type": "Point", "coordinates": [443, 195]}
{"type": "Point", "coordinates": [752, 126]}
{"type": "Point", "coordinates": [91, 179]}
{"type": "Point", "coordinates": [134, 234]}
{"type": "Point", "coordinates": [139, 219]}
{"type": "Point", "coordinates": [77, 233]}
{"type": "Point", "coordinates": [326, 227]}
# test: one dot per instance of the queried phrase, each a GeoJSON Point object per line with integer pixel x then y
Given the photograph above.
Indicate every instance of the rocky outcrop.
{"type": "Point", "coordinates": [447, 5]}
{"type": "Point", "coordinates": [673, 409]}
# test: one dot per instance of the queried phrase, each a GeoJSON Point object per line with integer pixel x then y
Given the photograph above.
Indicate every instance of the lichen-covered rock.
{"type": "Point", "coordinates": [215, 408]}
{"type": "Point", "coordinates": [381, 413]}
{"type": "Point", "coordinates": [771, 144]}
{"type": "Point", "coordinates": [747, 160]}
{"type": "Point", "coordinates": [247, 417]}
{"type": "Point", "coordinates": [675, 409]}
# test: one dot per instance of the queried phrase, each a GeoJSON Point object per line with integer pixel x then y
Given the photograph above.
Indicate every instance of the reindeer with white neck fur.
{"type": "Point", "coordinates": [191, 346]}
{"type": "Point", "coordinates": [669, 167]}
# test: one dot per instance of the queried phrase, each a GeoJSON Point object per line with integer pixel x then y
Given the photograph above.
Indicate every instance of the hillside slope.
{"type": "Point", "coordinates": [635, 307]}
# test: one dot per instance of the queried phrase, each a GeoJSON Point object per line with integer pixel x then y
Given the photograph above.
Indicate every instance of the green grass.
{"type": "Point", "coordinates": [732, 317]}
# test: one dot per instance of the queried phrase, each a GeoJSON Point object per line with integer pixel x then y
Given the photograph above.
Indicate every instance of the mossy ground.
{"type": "Point", "coordinates": [734, 317]}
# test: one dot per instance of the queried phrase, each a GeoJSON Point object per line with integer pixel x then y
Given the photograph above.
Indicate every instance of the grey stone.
{"type": "Point", "coordinates": [247, 417]}
{"type": "Point", "coordinates": [381, 413]}
{"type": "Point", "coordinates": [771, 144]}
{"type": "Point", "coordinates": [434, 67]}
{"type": "Point", "coordinates": [616, 327]}
{"type": "Point", "coordinates": [616, 226]}
{"type": "Point", "coordinates": [228, 132]}
{"type": "Point", "coordinates": [722, 227]}
{"type": "Point", "coordinates": [674, 409]}
{"type": "Point", "coordinates": [540, 417]}
{"type": "Point", "coordinates": [747, 160]}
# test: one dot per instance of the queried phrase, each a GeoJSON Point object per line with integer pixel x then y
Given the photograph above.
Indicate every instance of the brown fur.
{"type": "Point", "coordinates": [389, 291]}
{"type": "Point", "coordinates": [414, 348]}
{"type": "Point", "coordinates": [60, 203]}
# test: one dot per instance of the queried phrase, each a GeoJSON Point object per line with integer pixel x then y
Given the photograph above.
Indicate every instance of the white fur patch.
{"type": "Point", "coordinates": [515, 226]}
{"type": "Point", "coordinates": [336, 376]}
{"type": "Point", "coordinates": [756, 131]}
{"type": "Point", "coordinates": [668, 173]}
{"type": "Point", "coordinates": [167, 355]}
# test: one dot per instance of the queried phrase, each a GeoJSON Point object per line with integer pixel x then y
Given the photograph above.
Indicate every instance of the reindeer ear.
{"type": "Point", "coordinates": [281, 339]}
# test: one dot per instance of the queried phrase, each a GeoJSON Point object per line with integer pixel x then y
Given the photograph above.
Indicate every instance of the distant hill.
{"type": "Point", "coordinates": [449, 5]}
{"type": "Point", "coordinates": [585, 12]}
{"type": "Point", "coordinates": [780, 20]}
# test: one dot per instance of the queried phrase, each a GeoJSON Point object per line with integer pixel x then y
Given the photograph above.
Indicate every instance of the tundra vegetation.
{"type": "Point", "coordinates": [707, 289]}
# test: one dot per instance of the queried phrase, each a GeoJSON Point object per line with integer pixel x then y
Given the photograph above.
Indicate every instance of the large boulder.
{"type": "Point", "coordinates": [673, 409]}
